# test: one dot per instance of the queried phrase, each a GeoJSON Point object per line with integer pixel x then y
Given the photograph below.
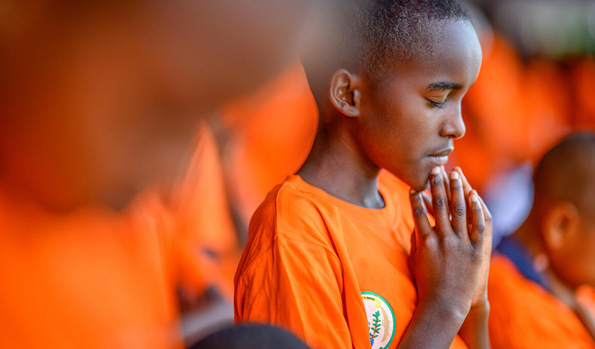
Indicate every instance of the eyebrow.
{"type": "Point", "coordinates": [443, 85]}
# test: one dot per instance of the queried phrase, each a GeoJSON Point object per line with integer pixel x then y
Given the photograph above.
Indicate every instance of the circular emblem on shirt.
{"type": "Point", "coordinates": [381, 320]}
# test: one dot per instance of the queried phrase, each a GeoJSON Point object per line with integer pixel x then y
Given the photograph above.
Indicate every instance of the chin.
{"type": "Point", "coordinates": [421, 187]}
{"type": "Point", "coordinates": [420, 181]}
{"type": "Point", "coordinates": [417, 184]}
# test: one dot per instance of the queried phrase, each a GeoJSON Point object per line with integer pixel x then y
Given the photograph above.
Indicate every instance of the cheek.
{"type": "Point", "coordinates": [398, 129]}
{"type": "Point", "coordinates": [578, 261]}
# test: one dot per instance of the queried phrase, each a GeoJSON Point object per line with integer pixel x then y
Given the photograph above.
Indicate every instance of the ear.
{"type": "Point", "coordinates": [345, 93]}
{"type": "Point", "coordinates": [560, 223]}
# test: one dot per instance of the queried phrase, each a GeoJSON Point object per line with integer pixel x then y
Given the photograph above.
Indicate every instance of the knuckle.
{"type": "Point", "coordinates": [419, 212]}
{"type": "Point", "coordinates": [439, 202]}
{"type": "Point", "coordinates": [459, 209]}
{"type": "Point", "coordinates": [449, 240]}
{"type": "Point", "coordinates": [436, 180]}
{"type": "Point", "coordinates": [481, 226]}
{"type": "Point", "coordinates": [428, 240]}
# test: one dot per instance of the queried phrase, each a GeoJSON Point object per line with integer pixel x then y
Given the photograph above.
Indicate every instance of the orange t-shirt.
{"type": "Point", "coordinates": [92, 278]}
{"type": "Point", "coordinates": [334, 273]}
{"type": "Point", "coordinates": [524, 315]}
{"type": "Point", "coordinates": [204, 224]}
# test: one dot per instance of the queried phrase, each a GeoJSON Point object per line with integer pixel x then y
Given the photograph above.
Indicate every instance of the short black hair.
{"type": "Point", "coordinates": [396, 29]}
{"type": "Point", "coordinates": [567, 172]}
{"type": "Point", "coordinates": [371, 34]}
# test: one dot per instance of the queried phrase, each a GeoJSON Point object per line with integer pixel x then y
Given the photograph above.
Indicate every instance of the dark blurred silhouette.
{"type": "Point", "coordinates": [251, 336]}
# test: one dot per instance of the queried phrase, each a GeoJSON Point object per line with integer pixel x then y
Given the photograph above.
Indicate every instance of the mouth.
{"type": "Point", "coordinates": [440, 157]}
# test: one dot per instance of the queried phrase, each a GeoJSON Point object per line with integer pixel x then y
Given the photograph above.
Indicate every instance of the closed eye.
{"type": "Point", "coordinates": [437, 104]}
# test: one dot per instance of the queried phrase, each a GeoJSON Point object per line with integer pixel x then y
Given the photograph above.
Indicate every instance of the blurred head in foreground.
{"type": "Point", "coordinates": [99, 99]}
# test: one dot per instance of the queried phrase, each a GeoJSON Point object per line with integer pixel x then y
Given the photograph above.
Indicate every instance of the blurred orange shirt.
{"type": "Point", "coordinates": [90, 279]}
{"type": "Point", "coordinates": [334, 273]}
{"type": "Point", "coordinates": [524, 315]}
{"type": "Point", "coordinates": [272, 133]}
{"type": "Point", "coordinates": [204, 224]}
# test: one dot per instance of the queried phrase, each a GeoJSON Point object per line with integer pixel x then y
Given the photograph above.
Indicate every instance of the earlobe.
{"type": "Point", "coordinates": [344, 93]}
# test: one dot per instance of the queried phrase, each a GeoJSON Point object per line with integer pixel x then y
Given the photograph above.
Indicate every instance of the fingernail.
{"type": "Point", "coordinates": [454, 175]}
{"type": "Point", "coordinates": [436, 170]}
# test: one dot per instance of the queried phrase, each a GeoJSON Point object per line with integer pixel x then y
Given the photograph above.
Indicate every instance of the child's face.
{"type": "Point", "coordinates": [411, 115]}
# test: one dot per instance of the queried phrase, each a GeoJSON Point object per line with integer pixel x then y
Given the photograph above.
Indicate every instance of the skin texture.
{"type": "Point", "coordinates": [403, 121]}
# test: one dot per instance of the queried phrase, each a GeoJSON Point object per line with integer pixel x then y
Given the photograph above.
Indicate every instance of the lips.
{"type": "Point", "coordinates": [440, 157]}
{"type": "Point", "coordinates": [442, 152]}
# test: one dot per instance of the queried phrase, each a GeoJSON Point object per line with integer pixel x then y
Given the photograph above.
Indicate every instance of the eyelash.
{"type": "Point", "coordinates": [438, 105]}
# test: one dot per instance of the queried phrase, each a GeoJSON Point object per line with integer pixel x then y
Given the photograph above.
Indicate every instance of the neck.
{"type": "Point", "coordinates": [337, 166]}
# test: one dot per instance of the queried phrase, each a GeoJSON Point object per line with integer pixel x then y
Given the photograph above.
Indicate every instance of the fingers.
{"type": "Point", "coordinates": [478, 224]}
{"type": "Point", "coordinates": [439, 200]}
{"type": "Point", "coordinates": [420, 214]}
{"type": "Point", "coordinates": [446, 182]}
{"type": "Point", "coordinates": [466, 186]}
{"type": "Point", "coordinates": [428, 202]}
{"type": "Point", "coordinates": [466, 189]}
{"type": "Point", "coordinates": [486, 212]}
{"type": "Point", "coordinates": [488, 222]}
{"type": "Point", "coordinates": [458, 206]}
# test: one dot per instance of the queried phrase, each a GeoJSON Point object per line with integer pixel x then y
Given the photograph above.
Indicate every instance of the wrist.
{"type": "Point", "coordinates": [448, 311]}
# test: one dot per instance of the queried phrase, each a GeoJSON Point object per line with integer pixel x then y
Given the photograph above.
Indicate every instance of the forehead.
{"type": "Point", "coordinates": [446, 50]}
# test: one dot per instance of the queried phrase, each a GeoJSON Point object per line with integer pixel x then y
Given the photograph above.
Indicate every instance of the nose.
{"type": "Point", "coordinates": [453, 126]}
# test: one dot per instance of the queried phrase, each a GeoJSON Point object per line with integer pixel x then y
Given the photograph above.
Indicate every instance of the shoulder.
{"type": "Point", "coordinates": [506, 285]}
{"type": "Point", "coordinates": [523, 314]}
{"type": "Point", "coordinates": [291, 217]}
{"type": "Point", "coordinates": [294, 211]}
{"type": "Point", "coordinates": [515, 301]}
{"type": "Point", "coordinates": [504, 276]}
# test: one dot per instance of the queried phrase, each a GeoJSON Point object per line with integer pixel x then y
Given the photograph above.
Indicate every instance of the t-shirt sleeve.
{"type": "Point", "coordinates": [296, 285]}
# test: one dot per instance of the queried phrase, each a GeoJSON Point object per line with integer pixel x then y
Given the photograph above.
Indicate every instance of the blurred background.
{"type": "Point", "coordinates": [234, 86]}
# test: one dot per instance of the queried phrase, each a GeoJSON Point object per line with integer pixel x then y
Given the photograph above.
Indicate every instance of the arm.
{"type": "Point", "coordinates": [475, 328]}
{"type": "Point", "coordinates": [447, 262]}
